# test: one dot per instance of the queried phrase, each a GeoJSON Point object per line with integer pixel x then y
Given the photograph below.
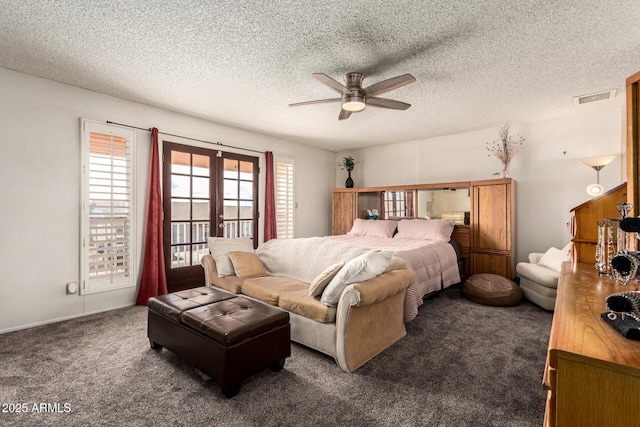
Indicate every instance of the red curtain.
{"type": "Point", "coordinates": [270, 229]}
{"type": "Point", "coordinates": [382, 214]}
{"type": "Point", "coordinates": [153, 281]}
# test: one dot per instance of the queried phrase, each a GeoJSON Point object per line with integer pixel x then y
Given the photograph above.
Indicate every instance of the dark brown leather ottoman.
{"type": "Point", "coordinates": [491, 289]}
{"type": "Point", "coordinates": [226, 336]}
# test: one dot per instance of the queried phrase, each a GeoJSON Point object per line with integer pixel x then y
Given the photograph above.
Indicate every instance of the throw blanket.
{"type": "Point", "coordinates": [304, 258]}
{"type": "Point", "coordinates": [434, 262]}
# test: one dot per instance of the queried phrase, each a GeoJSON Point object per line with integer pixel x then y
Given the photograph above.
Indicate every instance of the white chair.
{"type": "Point", "coordinates": [539, 277]}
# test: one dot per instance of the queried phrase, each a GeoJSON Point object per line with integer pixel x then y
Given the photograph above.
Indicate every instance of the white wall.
{"type": "Point", "coordinates": [550, 178]}
{"type": "Point", "coordinates": [40, 161]}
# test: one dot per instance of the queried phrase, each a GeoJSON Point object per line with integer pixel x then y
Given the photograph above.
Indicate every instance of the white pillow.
{"type": "Point", "coordinates": [220, 248]}
{"type": "Point", "coordinates": [359, 269]}
{"type": "Point", "coordinates": [373, 228]}
{"type": "Point", "coordinates": [425, 229]}
{"type": "Point", "coordinates": [554, 258]}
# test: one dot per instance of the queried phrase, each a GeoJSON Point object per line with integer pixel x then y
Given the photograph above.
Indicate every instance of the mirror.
{"type": "Point", "coordinates": [399, 204]}
{"type": "Point", "coordinates": [451, 203]}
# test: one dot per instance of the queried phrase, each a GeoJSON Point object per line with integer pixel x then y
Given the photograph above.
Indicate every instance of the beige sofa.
{"type": "Point", "coordinates": [367, 320]}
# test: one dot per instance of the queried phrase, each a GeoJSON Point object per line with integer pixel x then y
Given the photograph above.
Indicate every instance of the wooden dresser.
{"type": "Point", "coordinates": [592, 373]}
{"type": "Point", "coordinates": [583, 224]}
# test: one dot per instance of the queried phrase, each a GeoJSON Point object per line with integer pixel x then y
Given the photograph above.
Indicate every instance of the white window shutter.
{"type": "Point", "coordinates": [108, 217]}
{"type": "Point", "coordinates": [284, 197]}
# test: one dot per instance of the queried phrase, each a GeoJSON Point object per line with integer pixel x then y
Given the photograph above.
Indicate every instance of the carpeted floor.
{"type": "Point", "coordinates": [461, 364]}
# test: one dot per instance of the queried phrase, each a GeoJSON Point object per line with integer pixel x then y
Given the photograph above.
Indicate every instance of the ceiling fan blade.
{"type": "Point", "coordinates": [387, 103]}
{"type": "Point", "coordinates": [317, 101]}
{"type": "Point", "coordinates": [389, 84]}
{"type": "Point", "coordinates": [344, 114]}
{"type": "Point", "coordinates": [333, 84]}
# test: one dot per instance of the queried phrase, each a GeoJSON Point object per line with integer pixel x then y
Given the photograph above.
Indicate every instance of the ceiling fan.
{"type": "Point", "coordinates": [355, 98]}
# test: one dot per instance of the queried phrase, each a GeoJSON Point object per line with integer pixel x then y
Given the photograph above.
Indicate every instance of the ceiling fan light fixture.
{"type": "Point", "coordinates": [353, 103]}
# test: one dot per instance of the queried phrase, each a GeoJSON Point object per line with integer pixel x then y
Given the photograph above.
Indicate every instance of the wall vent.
{"type": "Point", "coordinates": [593, 97]}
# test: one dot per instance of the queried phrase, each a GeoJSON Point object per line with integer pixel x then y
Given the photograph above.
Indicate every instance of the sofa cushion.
{"type": "Point", "coordinates": [322, 280]}
{"type": "Point", "coordinates": [359, 269]}
{"type": "Point", "coordinates": [220, 248]}
{"type": "Point", "coordinates": [247, 264]}
{"type": "Point", "coordinates": [228, 283]}
{"type": "Point", "coordinates": [301, 303]}
{"type": "Point", "coordinates": [538, 273]}
{"type": "Point", "coordinates": [269, 288]}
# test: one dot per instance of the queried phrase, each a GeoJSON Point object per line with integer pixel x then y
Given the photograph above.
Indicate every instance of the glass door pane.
{"type": "Point", "coordinates": [188, 212]}
{"type": "Point", "coordinates": [239, 207]}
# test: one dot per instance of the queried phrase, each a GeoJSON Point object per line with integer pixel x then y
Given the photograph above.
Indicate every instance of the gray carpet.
{"type": "Point", "coordinates": [461, 364]}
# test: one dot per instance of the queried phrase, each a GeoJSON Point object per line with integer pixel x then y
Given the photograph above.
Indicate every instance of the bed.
{"type": "Point", "coordinates": [425, 245]}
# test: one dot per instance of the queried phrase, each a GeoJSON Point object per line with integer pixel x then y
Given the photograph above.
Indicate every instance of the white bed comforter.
{"type": "Point", "coordinates": [434, 262]}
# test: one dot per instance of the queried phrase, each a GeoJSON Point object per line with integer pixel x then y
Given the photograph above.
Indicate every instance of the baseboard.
{"type": "Point", "coordinates": [62, 319]}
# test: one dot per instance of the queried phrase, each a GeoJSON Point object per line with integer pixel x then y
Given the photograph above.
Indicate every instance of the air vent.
{"type": "Point", "coordinates": [600, 96]}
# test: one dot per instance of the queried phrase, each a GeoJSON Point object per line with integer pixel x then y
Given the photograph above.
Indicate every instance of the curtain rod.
{"type": "Point", "coordinates": [186, 137]}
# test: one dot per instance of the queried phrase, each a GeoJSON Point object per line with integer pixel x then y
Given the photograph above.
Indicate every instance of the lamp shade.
{"type": "Point", "coordinates": [600, 162]}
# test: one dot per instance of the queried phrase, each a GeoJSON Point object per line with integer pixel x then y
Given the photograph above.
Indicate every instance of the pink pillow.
{"type": "Point", "coordinates": [373, 228]}
{"type": "Point", "coordinates": [425, 229]}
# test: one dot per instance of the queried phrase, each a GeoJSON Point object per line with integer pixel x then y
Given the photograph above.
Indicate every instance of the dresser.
{"type": "Point", "coordinates": [592, 374]}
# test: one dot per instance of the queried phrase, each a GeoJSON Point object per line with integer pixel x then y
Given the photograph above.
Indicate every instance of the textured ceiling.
{"type": "Point", "coordinates": [477, 63]}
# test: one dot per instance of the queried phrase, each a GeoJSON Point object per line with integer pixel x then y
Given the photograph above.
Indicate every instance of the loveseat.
{"type": "Point", "coordinates": [353, 324]}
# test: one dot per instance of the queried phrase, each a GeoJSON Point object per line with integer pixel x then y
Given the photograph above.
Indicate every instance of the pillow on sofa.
{"type": "Point", "coordinates": [322, 280]}
{"type": "Point", "coordinates": [553, 259]}
{"type": "Point", "coordinates": [373, 228]}
{"type": "Point", "coordinates": [247, 264]}
{"type": "Point", "coordinates": [359, 269]}
{"type": "Point", "coordinates": [425, 229]}
{"type": "Point", "coordinates": [220, 248]}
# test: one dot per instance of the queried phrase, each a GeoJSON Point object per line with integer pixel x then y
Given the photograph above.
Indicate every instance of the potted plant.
{"type": "Point", "coordinates": [348, 163]}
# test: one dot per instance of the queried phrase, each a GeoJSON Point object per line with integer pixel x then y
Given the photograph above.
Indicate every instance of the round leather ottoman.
{"type": "Point", "coordinates": [491, 289]}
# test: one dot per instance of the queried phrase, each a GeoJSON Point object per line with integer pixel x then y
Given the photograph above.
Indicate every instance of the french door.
{"type": "Point", "coordinates": [205, 193]}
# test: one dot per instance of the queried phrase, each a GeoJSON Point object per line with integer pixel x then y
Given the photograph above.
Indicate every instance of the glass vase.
{"type": "Point", "coordinates": [505, 171]}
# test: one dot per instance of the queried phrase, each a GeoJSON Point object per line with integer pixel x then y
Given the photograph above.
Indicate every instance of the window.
{"type": "Point", "coordinates": [108, 210]}
{"type": "Point", "coordinates": [284, 197]}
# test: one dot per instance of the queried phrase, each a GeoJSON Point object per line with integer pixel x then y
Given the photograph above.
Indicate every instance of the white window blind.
{"type": "Point", "coordinates": [108, 211]}
{"type": "Point", "coordinates": [284, 197]}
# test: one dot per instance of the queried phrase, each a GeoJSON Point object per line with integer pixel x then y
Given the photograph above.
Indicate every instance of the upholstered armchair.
{"type": "Point", "coordinates": [539, 277]}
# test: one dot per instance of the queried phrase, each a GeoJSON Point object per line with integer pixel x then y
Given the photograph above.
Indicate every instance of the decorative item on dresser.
{"type": "Point", "coordinates": [592, 373]}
